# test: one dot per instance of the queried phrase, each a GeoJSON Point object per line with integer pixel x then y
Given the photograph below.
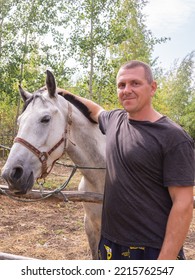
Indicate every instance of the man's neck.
{"type": "Point", "coordinates": [151, 116]}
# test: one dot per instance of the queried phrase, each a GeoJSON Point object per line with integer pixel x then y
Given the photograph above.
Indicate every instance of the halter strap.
{"type": "Point", "coordinates": [42, 156]}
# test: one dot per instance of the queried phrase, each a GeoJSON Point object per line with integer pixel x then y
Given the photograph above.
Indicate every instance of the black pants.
{"type": "Point", "coordinates": [109, 250]}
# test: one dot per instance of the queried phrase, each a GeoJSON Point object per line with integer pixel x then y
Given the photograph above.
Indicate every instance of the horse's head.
{"type": "Point", "coordinates": [40, 139]}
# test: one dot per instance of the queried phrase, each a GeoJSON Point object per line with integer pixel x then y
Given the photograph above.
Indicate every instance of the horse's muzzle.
{"type": "Point", "coordinates": [18, 180]}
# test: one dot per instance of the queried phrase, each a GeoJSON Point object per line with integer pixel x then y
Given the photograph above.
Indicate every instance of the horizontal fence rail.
{"type": "Point", "coordinates": [6, 256]}
{"type": "Point", "coordinates": [75, 196]}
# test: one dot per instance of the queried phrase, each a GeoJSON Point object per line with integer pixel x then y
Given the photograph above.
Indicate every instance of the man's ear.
{"type": "Point", "coordinates": [153, 88]}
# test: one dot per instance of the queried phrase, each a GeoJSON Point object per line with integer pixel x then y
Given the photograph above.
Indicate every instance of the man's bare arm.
{"type": "Point", "coordinates": [178, 222]}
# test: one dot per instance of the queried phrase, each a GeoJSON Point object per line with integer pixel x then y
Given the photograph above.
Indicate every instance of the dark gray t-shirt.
{"type": "Point", "coordinates": [143, 159]}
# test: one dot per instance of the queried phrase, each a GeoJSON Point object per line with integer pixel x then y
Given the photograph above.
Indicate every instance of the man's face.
{"type": "Point", "coordinates": [134, 91]}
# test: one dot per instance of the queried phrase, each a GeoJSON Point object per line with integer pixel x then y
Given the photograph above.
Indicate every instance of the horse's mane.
{"type": "Point", "coordinates": [68, 96]}
{"type": "Point", "coordinates": [78, 104]}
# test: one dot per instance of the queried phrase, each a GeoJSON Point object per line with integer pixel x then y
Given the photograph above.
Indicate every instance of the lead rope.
{"type": "Point", "coordinates": [56, 191]}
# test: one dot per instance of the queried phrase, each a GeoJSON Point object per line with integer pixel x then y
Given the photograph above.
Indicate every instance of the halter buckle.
{"type": "Point", "coordinates": [43, 156]}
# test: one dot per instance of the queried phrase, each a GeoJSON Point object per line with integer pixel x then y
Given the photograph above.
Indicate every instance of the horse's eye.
{"type": "Point", "coordinates": [45, 119]}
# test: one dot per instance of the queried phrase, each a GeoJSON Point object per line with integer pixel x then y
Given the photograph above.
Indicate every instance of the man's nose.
{"type": "Point", "coordinates": [127, 89]}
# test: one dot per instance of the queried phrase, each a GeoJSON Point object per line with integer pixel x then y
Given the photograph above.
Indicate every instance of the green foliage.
{"type": "Point", "coordinates": [176, 94]}
{"type": "Point", "coordinates": [105, 35]}
{"type": "Point", "coordinates": [24, 51]}
{"type": "Point", "coordinates": [187, 119]}
{"type": "Point", "coordinates": [8, 112]}
{"type": "Point", "coordinates": [84, 43]}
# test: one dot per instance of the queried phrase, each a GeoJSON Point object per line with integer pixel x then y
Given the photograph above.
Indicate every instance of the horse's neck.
{"type": "Point", "coordinates": [85, 142]}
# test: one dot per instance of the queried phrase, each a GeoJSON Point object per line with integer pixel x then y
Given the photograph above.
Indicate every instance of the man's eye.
{"type": "Point", "coordinates": [136, 83]}
{"type": "Point", "coordinates": [120, 86]}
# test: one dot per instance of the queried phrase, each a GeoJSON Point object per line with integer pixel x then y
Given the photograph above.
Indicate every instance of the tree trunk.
{"type": "Point", "coordinates": [91, 54]}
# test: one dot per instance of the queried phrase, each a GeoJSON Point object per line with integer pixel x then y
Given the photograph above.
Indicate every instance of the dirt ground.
{"type": "Point", "coordinates": [43, 230]}
{"type": "Point", "coordinates": [52, 230]}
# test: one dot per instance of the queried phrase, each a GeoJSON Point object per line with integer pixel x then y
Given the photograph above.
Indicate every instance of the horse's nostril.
{"type": "Point", "coordinates": [16, 173]}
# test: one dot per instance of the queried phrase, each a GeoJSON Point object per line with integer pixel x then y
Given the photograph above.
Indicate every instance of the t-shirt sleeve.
{"type": "Point", "coordinates": [103, 120]}
{"type": "Point", "coordinates": [179, 165]}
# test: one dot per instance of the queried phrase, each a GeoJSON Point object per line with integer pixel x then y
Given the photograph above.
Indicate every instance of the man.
{"type": "Point", "coordinates": [148, 200]}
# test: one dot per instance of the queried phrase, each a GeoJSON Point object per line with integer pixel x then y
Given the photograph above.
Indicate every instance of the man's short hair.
{"type": "Point", "coordinates": [136, 63]}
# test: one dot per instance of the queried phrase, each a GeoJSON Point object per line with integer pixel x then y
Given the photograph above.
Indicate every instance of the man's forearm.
{"type": "Point", "coordinates": [94, 108]}
{"type": "Point", "coordinates": [176, 232]}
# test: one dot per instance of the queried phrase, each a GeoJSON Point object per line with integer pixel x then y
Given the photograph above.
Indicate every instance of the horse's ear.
{"type": "Point", "coordinates": [51, 84]}
{"type": "Point", "coordinates": [24, 94]}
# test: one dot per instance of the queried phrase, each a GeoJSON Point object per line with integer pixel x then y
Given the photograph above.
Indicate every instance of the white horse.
{"type": "Point", "coordinates": [48, 126]}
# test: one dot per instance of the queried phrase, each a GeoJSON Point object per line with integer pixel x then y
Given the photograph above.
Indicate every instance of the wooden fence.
{"type": "Point", "coordinates": [7, 135]}
{"type": "Point", "coordinates": [6, 256]}
{"type": "Point", "coordinates": [6, 141]}
{"type": "Point", "coordinates": [76, 196]}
